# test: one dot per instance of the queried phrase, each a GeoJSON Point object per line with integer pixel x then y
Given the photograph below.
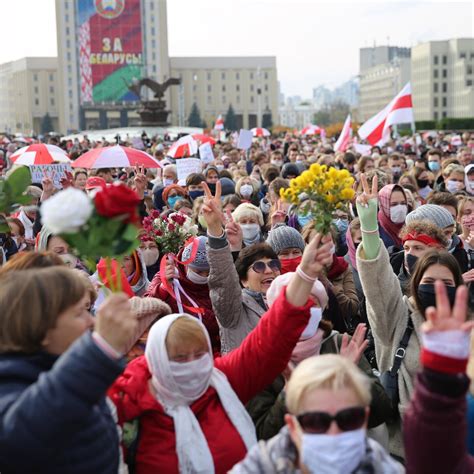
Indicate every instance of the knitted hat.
{"type": "Point", "coordinates": [227, 186]}
{"type": "Point", "coordinates": [318, 290]}
{"type": "Point", "coordinates": [200, 262]}
{"type": "Point", "coordinates": [284, 237]}
{"type": "Point", "coordinates": [290, 169]}
{"type": "Point", "coordinates": [438, 215]}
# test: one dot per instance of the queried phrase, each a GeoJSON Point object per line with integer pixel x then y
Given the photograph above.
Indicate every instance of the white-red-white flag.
{"type": "Point", "coordinates": [344, 139]}
{"type": "Point", "coordinates": [400, 110]}
{"type": "Point", "coordinates": [219, 125]}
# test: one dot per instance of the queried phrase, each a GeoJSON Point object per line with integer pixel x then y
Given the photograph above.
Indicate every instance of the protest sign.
{"type": "Point", "coordinates": [205, 153]}
{"type": "Point", "coordinates": [186, 166]}
{"type": "Point", "coordinates": [245, 139]}
{"type": "Point", "coordinates": [362, 149]}
{"type": "Point", "coordinates": [56, 172]}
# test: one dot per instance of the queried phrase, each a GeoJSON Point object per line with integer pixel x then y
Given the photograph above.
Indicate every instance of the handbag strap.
{"type": "Point", "coordinates": [401, 349]}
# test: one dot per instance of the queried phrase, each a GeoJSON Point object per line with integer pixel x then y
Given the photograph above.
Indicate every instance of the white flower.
{"type": "Point", "coordinates": [66, 211]}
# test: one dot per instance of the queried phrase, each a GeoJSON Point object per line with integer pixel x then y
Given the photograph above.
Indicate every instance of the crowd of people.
{"type": "Point", "coordinates": [262, 346]}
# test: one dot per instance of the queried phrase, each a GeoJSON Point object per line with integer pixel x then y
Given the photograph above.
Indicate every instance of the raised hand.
{"type": "Point", "coordinates": [367, 193]}
{"type": "Point", "coordinates": [140, 181]}
{"type": "Point", "coordinates": [170, 270]}
{"type": "Point", "coordinates": [115, 321]}
{"type": "Point", "coordinates": [212, 210]}
{"type": "Point", "coordinates": [48, 188]}
{"type": "Point", "coordinates": [234, 232]}
{"type": "Point", "coordinates": [67, 181]}
{"type": "Point", "coordinates": [443, 318]}
{"type": "Point", "coordinates": [353, 348]}
{"type": "Point", "coordinates": [279, 215]}
{"type": "Point", "coordinates": [317, 255]}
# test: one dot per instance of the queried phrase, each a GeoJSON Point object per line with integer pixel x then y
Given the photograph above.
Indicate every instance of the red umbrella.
{"type": "Point", "coordinates": [200, 137]}
{"type": "Point", "coordinates": [311, 130]}
{"type": "Point", "coordinates": [115, 157]}
{"type": "Point", "coordinates": [260, 132]}
{"type": "Point", "coordinates": [39, 154]}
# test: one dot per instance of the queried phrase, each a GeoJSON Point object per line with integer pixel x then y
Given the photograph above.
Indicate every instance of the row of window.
{"type": "Point", "coordinates": [444, 87]}
{"type": "Point", "coordinates": [224, 75]}
{"type": "Point", "coordinates": [444, 102]}
{"type": "Point", "coordinates": [237, 99]}
{"type": "Point", "coordinates": [444, 58]}
{"type": "Point", "coordinates": [237, 88]}
{"type": "Point", "coordinates": [51, 101]}
{"type": "Point", "coordinates": [51, 77]}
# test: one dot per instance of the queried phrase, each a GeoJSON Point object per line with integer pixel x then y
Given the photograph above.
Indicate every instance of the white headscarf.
{"type": "Point", "coordinates": [467, 183]}
{"type": "Point", "coordinates": [192, 449]}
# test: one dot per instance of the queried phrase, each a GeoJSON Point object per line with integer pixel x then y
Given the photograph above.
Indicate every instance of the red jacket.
{"type": "Point", "coordinates": [200, 294]}
{"type": "Point", "coordinates": [251, 367]}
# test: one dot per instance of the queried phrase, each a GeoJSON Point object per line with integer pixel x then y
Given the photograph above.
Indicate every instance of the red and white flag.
{"type": "Point", "coordinates": [400, 110]}
{"type": "Point", "coordinates": [344, 139]}
{"type": "Point", "coordinates": [219, 125]}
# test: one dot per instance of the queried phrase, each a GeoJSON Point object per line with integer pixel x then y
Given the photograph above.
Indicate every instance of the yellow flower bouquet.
{"type": "Point", "coordinates": [322, 190]}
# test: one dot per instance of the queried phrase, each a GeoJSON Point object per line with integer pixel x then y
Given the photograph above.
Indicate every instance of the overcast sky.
{"type": "Point", "coordinates": [314, 42]}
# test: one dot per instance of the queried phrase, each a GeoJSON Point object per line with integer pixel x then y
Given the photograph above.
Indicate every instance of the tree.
{"type": "Point", "coordinates": [334, 112]}
{"type": "Point", "coordinates": [230, 121]}
{"type": "Point", "coordinates": [46, 124]}
{"type": "Point", "coordinates": [194, 119]}
{"type": "Point", "coordinates": [267, 121]}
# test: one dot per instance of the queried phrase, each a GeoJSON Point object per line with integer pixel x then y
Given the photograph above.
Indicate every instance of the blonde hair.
{"type": "Point", "coordinates": [329, 371]}
{"type": "Point", "coordinates": [185, 331]}
{"type": "Point", "coordinates": [453, 168]}
{"type": "Point", "coordinates": [248, 210]}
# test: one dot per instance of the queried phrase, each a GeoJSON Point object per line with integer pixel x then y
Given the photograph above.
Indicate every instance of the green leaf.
{"type": "Point", "coordinates": [19, 180]}
{"type": "Point", "coordinates": [130, 233]}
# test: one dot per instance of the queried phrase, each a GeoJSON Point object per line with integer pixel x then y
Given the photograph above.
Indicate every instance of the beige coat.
{"type": "Point", "coordinates": [345, 291]}
{"type": "Point", "coordinates": [237, 313]}
{"type": "Point", "coordinates": [387, 311]}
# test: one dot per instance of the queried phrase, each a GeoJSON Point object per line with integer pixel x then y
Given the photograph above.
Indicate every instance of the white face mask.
{"type": "Point", "coordinates": [453, 186]}
{"type": "Point", "coordinates": [220, 168]}
{"type": "Point", "coordinates": [250, 231]}
{"type": "Point", "coordinates": [168, 182]}
{"type": "Point", "coordinates": [196, 278]}
{"type": "Point", "coordinates": [333, 454]}
{"type": "Point", "coordinates": [69, 259]}
{"type": "Point", "coordinates": [193, 377]}
{"type": "Point", "coordinates": [246, 190]}
{"type": "Point", "coordinates": [150, 256]}
{"type": "Point", "coordinates": [398, 213]}
{"type": "Point", "coordinates": [313, 324]}
{"type": "Point", "coordinates": [277, 163]}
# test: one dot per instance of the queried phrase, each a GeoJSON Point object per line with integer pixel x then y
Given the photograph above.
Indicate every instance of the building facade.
{"type": "Point", "coordinates": [249, 84]}
{"type": "Point", "coordinates": [297, 116]}
{"type": "Point", "coordinates": [106, 46]}
{"type": "Point", "coordinates": [442, 77]}
{"type": "Point", "coordinates": [380, 55]}
{"type": "Point", "coordinates": [380, 84]}
{"type": "Point", "coordinates": [29, 89]}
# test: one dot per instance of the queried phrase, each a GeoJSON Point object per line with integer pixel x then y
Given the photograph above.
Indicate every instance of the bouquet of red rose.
{"type": "Point", "coordinates": [170, 233]}
{"type": "Point", "coordinates": [105, 225]}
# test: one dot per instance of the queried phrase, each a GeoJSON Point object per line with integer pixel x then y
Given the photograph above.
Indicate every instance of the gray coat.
{"type": "Point", "coordinates": [236, 311]}
{"type": "Point", "coordinates": [279, 456]}
{"type": "Point", "coordinates": [387, 311]}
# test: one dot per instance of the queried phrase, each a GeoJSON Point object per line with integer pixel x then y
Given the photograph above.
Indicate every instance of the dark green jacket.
{"type": "Point", "coordinates": [268, 408]}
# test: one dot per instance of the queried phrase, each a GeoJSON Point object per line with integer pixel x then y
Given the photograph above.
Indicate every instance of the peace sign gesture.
{"type": "Point", "coordinates": [212, 209]}
{"type": "Point", "coordinates": [442, 318]}
{"type": "Point", "coordinates": [279, 215]}
{"type": "Point", "coordinates": [367, 194]}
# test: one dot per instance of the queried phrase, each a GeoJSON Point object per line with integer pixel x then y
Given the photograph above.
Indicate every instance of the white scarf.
{"type": "Point", "coordinates": [25, 220]}
{"type": "Point", "coordinates": [194, 455]}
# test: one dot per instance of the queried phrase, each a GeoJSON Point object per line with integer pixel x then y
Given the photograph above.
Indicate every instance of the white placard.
{"type": "Point", "coordinates": [362, 149]}
{"type": "Point", "coordinates": [205, 153]}
{"type": "Point", "coordinates": [186, 166]}
{"type": "Point", "coordinates": [245, 139]}
{"type": "Point", "coordinates": [55, 171]}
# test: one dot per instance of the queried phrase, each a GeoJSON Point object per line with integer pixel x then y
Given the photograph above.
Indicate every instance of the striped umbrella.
{"type": "Point", "coordinates": [115, 157]}
{"type": "Point", "coordinates": [311, 130]}
{"type": "Point", "coordinates": [201, 137]}
{"type": "Point", "coordinates": [39, 154]}
{"type": "Point", "coordinates": [186, 146]}
{"type": "Point", "coordinates": [260, 132]}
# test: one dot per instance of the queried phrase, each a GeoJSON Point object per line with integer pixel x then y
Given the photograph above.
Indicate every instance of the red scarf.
{"type": "Point", "coordinates": [289, 264]}
{"type": "Point", "coordinates": [339, 266]}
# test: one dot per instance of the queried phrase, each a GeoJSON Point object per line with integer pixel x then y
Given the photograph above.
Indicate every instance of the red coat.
{"type": "Point", "coordinates": [251, 367]}
{"type": "Point", "coordinates": [200, 294]}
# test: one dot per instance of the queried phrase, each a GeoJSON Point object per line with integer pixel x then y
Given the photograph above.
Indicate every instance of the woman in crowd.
{"type": "Point", "coordinates": [288, 244]}
{"type": "Point", "coordinates": [328, 401]}
{"type": "Point", "coordinates": [393, 317]}
{"type": "Point", "coordinates": [250, 220]}
{"type": "Point", "coordinates": [134, 267]}
{"type": "Point", "coordinates": [190, 407]}
{"type": "Point", "coordinates": [172, 194]}
{"type": "Point", "coordinates": [80, 179]}
{"type": "Point", "coordinates": [186, 287]}
{"type": "Point", "coordinates": [247, 190]}
{"type": "Point", "coordinates": [453, 176]}
{"type": "Point", "coordinates": [55, 374]}
{"type": "Point", "coordinates": [17, 230]}
{"type": "Point", "coordinates": [268, 408]}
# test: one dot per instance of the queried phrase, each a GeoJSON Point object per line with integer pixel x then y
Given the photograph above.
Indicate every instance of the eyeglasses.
{"type": "Point", "coordinates": [260, 267]}
{"type": "Point", "coordinates": [318, 422]}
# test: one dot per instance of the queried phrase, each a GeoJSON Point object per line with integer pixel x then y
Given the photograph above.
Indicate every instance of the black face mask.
{"type": "Point", "coordinates": [422, 183]}
{"type": "Point", "coordinates": [410, 262]}
{"type": "Point", "coordinates": [427, 295]}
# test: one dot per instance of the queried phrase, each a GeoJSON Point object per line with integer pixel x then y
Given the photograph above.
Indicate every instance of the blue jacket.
{"type": "Point", "coordinates": [53, 414]}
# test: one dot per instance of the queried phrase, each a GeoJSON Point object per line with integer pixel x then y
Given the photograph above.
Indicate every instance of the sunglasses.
{"type": "Point", "coordinates": [318, 422]}
{"type": "Point", "coordinates": [259, 267]}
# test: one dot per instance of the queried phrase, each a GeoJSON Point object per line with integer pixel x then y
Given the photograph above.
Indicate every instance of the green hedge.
{"type": "Point", "coordinates": [425, 125]}
{"type": "Point", "coordinates": [456, 124]}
